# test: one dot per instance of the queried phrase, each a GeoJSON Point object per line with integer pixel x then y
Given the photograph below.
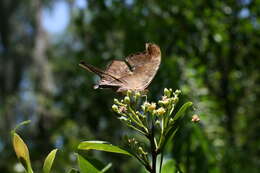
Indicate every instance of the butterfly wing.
{"type": "Point", "coordinates": [117, 69]}
{"type": "Point", "coordinates": [135, 73]}
{"type": "Point", "coordinates": [144, 67]}
{"type": "Point", "coordinates": [137, 60]}
{"type": "Point", "coordinates": [108, 79]}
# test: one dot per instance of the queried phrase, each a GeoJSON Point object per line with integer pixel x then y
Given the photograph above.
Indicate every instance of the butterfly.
{"type": "Point", "coordinates": [134, 73]}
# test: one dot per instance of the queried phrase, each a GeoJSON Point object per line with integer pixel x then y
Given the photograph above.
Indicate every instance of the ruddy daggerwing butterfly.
{"type": "Point", "coordinates": [134, 73]}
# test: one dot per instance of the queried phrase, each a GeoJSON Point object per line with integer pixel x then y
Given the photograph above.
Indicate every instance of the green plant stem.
{"type": "Point", "coordinates": [136, 119]}
{"type": "Point", "coordinates": [153, 150]}
{"type": "Point", "coordinates": [133, 127]}
{"type": "Point", "coordinates": [154, 158]}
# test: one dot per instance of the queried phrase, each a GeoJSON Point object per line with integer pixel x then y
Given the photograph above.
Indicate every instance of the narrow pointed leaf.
{"type": "Point", "coordinates": [182, 110]}
{"type": "Point", "coordinates": [22, 152]}
{"type": "Point", "coordinates": [168, 136]}
{"type": "Point", "coordinates": [49, 161]}
{"type": "Point", "coordinates": [102, 146]}
{"type": "Point", "coordinates": [171, 131]}
{"type": "Point", "coordinates": [85, 166]}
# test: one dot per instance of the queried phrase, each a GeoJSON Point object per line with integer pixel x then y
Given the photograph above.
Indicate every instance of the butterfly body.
{"type": "Point", "coordinates": [134, 73]}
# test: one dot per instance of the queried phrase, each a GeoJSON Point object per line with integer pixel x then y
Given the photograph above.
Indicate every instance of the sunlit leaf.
{"type": "Point", "coordinates": [102, 146]}
{"type": "Point", "coordinates": [85, 166]}
{"type": "Point", "coordinates": [182, 110]}
{"type": "Point", "coordinates": [49, 161]}
{"type": "Point", "coordinates": [169, 166]}
{"type": "Point", "coordinates": [22, 152]}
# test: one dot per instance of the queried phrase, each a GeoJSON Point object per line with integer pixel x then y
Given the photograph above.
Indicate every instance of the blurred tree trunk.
{"type": "Point", "coordinates": [42, 71]}
{"type": "Point", "coordinates": [42, 78]}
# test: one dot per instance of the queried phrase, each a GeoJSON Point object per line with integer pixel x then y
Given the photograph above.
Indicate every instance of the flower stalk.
{"type": "Point", "coordinates": [155, 121]}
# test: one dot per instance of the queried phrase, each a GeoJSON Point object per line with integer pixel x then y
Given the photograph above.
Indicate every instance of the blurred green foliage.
{"type": "Point", "coordinates": [210, 50]}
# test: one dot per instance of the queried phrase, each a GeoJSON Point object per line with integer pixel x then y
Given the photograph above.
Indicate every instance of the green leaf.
{"type": "Point", "coordinates": [168, 136]}
{"type": "Point", "coordinates": [182, 110]}
{"type": "Point", "coordinates": [102, 146]}
{"type": "Point", "coordinates": [169, 166]}
{"type": "Point", "coordinates": [171, 131]}
{"type": "Point", "coordinates": [85, 166]}
{"type": "Point", "coordinates": [22, 152]}
{"type": "Point", "coordinates": [49, 161]}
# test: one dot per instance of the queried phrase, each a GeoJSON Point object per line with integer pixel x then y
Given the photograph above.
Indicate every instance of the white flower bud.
{"type": "Point", "coordinates": [167, 92]}
{"type": "Point", "coordinates": [115, 108]}
{"type": "Point", "coordinates": [127, 99]}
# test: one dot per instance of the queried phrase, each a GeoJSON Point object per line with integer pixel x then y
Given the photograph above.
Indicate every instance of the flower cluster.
{"type": "Point", "coordinates": [154, 120]}
{"type": "Point", "coordinates": [128, 111]}
{"type": "Point", "coordinates": [141, 116]}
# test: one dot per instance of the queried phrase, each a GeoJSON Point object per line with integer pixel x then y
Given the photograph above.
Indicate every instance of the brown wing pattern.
{"type": "Point", "coordinates": [144, 66]}
{"type": "Point", "coordinates": [138, 59]}
{"type": "Point", "coordinates": [135, 73]}
{"type": "Point", "coordinates": [118, 69]}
